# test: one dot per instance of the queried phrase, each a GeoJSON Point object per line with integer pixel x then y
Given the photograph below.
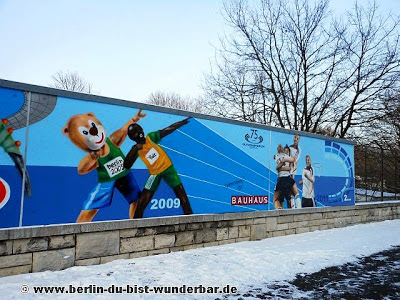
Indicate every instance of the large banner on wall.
{"type": "Point", "coordinates": [88, 160]}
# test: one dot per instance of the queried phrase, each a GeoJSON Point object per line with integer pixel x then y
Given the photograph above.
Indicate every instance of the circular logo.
{"type": "Point", "coordinates": [4, 192]}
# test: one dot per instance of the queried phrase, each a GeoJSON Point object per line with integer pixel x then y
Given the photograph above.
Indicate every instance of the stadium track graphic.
{"type": "Point", "coordinates": [335, 151]}
{"type": "Point", "coordinates": [202, 164]}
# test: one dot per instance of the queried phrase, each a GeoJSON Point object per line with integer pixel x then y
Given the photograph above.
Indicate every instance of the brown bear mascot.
{"type": "Point", "coordinates": [105, 156]}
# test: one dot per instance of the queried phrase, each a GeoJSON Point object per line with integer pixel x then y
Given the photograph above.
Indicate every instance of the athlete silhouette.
{"type": "Point", "coordinates": [158, 164]}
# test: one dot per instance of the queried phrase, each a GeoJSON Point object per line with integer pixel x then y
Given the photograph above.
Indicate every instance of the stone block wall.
{"type": "Point", "coordinates": [40, 248]}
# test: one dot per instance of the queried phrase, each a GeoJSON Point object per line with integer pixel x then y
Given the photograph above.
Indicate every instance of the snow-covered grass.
{"type": "Point", "coordinates": [244, 265]}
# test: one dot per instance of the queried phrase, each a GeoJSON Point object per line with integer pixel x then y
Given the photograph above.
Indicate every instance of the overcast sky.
{"type": "Point", "coordinates": [126, 49]}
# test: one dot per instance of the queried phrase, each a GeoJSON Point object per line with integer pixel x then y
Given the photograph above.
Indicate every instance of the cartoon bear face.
{"type": "Point", "coordinates": [86, 132]}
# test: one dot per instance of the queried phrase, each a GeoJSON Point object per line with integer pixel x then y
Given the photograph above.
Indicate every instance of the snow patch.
{"type": "Point", "coordinates": [245, 265]}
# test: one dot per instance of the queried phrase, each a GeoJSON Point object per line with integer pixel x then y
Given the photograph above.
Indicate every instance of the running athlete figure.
{"type": "Point", "coordinates": [308, 181]}
{"type": "Point", "coordinates": [158, 163]}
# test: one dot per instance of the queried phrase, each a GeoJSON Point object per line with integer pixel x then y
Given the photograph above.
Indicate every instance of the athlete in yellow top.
{"type": "Point", "coordinates": [158, 163]}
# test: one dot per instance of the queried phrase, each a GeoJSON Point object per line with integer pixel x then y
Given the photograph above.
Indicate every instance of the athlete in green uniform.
{"type": "Point", "coordinates": [112, 174]}
{"type": "Point", "coordinates": [158, 163]}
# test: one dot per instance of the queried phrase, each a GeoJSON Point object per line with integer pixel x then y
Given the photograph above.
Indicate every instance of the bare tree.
{"type": "Point", "coordinates": [385, 130]}
{"type": "Point", "coordinates": [70, 81]}
{"type": "Point", "coordinates": [289, 64]}
{"type": "Point", "coordinates": [377, 154]}
{"type": "Point", "coordinates": [174, 100]}
{"type": "Point", "coordinates": [392, 118]}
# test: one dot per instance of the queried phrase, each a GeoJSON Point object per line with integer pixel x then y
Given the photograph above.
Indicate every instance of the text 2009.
{"type": "Point", "coordinates": [165, 203]}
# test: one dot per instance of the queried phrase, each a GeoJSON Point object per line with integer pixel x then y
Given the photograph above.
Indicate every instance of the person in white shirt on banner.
{"type": "Point", "coordinates": [295, 152]}
{"type": "Point", "coordinates": [308, 180]}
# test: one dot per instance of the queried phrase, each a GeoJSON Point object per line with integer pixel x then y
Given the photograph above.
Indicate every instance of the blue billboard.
{"type": "Point", "coordinates": [77, 158]}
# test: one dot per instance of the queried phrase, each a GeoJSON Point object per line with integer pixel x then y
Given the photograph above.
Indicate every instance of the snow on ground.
{"type": "Point", "coordinates": [244, 265]}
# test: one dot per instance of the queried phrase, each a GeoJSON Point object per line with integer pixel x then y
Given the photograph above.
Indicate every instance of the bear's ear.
{"type": "Point", "coordinates": [65, 130]}
{"type": "Point", "coordinates": [90, 114]}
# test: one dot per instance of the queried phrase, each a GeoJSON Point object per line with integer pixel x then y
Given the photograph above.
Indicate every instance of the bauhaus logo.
{"type": "Point", "coordinates": [249, 200]}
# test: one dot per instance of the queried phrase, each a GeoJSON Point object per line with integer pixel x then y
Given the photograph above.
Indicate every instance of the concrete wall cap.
{"type": "Point", "coordinates": [63, 229]}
